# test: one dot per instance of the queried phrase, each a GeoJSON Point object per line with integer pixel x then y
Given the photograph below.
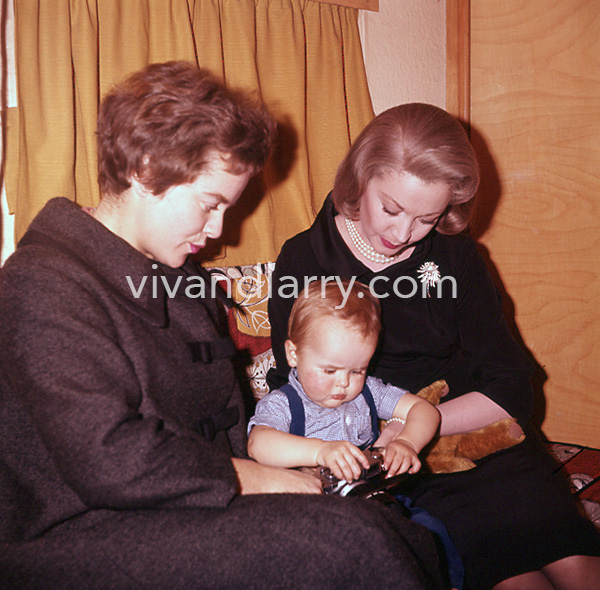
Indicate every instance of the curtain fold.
{"type": "Point", "coordinates": [302, 58]}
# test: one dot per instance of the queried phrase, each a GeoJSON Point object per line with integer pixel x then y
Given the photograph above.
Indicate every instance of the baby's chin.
{"type": "Point", "coordinates": [330, 403]}
{"type": "Point", "coordinates": [336, 401]}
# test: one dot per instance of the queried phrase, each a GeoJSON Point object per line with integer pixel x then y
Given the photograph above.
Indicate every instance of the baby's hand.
{"type": "Point", "coordinates": [400, 456]}
{"type": "Point", "coordinates": [345, 460]}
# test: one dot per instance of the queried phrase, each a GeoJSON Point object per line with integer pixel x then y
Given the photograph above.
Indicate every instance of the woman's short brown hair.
{"type": "Point", "coordinates": [322, 299]}
{"type": "Point", "coordinates": [419, 139]}
{"type": "Point", "coordinates": [162, 124]}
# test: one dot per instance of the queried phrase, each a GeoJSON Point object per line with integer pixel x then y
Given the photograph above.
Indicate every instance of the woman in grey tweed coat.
{"type": "Point", "coordinates": [122, 445]}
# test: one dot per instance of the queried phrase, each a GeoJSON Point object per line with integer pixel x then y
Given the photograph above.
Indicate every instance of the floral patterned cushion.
{"type": "Point", "coordinates": [248, 322]}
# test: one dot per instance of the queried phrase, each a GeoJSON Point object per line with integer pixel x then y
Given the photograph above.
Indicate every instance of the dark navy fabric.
{"type": "Point", "coordinates": [454, 568]}
{"type": "Point", "coordinates": [297, 425]}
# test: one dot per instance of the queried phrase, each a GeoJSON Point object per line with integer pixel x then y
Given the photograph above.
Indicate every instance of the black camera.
{"type": "Point", "coordinates": [372, 480]}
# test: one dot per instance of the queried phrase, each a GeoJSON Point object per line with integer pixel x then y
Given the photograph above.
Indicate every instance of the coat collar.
{"type": "Point", "coordinates": [134, 279]}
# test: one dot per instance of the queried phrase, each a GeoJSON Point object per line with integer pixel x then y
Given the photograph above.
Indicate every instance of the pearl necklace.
{"type": "Point", "coordinates": [366, 249]}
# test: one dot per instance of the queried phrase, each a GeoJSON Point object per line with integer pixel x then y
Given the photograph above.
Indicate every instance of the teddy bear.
{"type": "Point", "coordinates": [457, 452]}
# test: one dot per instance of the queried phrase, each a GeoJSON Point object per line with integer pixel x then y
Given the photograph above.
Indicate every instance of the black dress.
{"type": "Point", "coordinates": [513, 513]}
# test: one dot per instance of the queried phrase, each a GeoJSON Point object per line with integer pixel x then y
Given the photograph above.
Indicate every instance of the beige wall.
{"type": "Point", "coordinates": [404, 45]}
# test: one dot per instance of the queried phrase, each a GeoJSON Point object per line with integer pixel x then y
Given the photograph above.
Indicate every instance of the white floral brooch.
{"type": "Point", "coordinates": [429, 275]}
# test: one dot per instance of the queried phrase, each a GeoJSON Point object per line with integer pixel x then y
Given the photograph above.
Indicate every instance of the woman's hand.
{"type": "Point", "coordinates": [255, 478]}
{"type": "Point", "coordinates": [399, 456]}
{"type": "Point", "coordinates": [345, 460]}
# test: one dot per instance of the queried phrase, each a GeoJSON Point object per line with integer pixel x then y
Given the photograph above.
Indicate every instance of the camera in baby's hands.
{"type": "Point", "coordinates": [372, 480]}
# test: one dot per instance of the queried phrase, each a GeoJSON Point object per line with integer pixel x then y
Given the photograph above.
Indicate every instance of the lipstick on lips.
{"type": "Point", "coordinates": [195, 248]}
{"type": "Point", "coordinates": [389, 245]}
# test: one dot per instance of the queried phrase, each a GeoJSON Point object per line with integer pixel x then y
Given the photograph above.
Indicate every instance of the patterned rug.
{"type": "Point", "coordinates": [581, 465]}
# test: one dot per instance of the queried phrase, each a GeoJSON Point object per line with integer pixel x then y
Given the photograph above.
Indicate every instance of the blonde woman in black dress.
{"type": "Point", "coordinates": [394, 221]}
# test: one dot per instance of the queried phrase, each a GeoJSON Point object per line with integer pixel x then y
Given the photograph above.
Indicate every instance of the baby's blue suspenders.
{"type": "Point", "coordinates": [297, 425]}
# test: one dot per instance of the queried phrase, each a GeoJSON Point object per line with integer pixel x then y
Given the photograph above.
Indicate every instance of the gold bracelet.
{"type": "Point", "coordinates": [394, 419]}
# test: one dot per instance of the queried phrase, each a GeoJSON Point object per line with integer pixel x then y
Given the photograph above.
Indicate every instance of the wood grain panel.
{"type": "Point", "coordinates": [535, 116]}
{"type": "Point", "coordinates": [458, 61]}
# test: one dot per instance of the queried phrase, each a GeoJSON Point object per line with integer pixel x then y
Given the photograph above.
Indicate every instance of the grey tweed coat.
{"type": "Point", "coordinates": [105, 479]}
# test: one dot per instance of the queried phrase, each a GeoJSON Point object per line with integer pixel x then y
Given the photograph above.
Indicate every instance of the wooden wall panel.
{"type": "Point", "coordinates": [535, 121]}
{"type": "Point", "coordinates": [458, 59]}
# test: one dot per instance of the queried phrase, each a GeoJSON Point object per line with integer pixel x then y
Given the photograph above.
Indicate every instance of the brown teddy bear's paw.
{"type": "Point", "coordinates": [495, 437]}
{"type": "Point", "coordinates": [434, 392]}
{"type": "Point", "coordinates": [446, 463]}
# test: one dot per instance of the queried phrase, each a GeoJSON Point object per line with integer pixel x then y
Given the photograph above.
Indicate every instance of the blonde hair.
{"type": "Point", "coordinates": [419, 139]}
{"type": "Point", "coordinates": [326, 300]}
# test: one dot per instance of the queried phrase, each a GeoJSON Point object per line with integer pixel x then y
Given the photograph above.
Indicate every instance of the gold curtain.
{"type": "Point", "coordinates": [303, 58]}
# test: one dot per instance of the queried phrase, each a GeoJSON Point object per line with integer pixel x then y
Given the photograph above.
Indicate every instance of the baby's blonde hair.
{"type": "Point", "coordinates": [326, 300]}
